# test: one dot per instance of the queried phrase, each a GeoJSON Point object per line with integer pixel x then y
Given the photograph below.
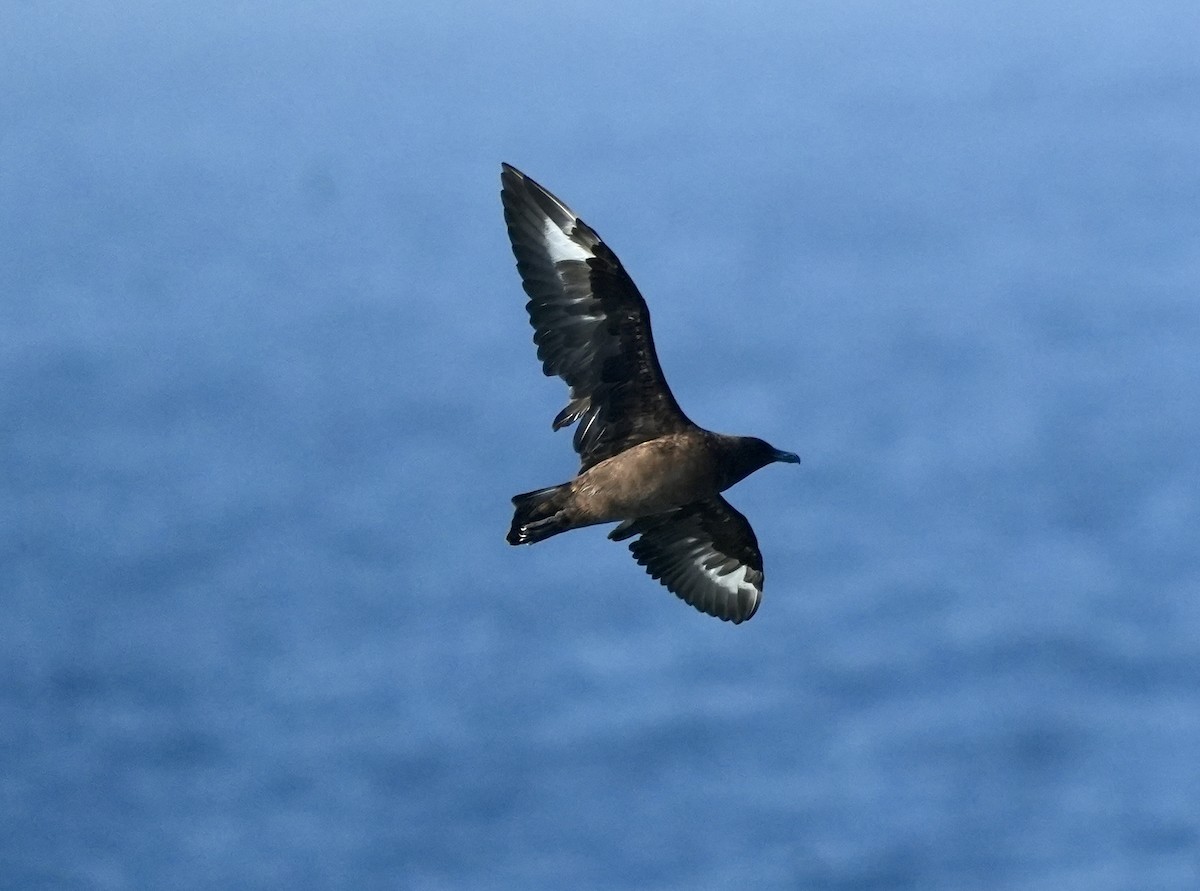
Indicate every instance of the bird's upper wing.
{"type": "Point", "coordinates": [705, 553]}
{"type": "Point", "coordinates": [591, 325]}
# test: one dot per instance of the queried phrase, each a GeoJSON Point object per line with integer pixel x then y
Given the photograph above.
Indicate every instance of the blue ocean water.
{"type": "Point", "coordinates": [267, 386]}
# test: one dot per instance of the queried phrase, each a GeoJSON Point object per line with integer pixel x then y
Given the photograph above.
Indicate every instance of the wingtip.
{"type": "Point", "coordinates": [510, 177]}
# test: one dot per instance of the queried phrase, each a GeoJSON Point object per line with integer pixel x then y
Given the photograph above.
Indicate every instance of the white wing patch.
{"type": "Point", "coordinates": [560, 246]}
{"type": "Point", "coordinates": [733, 582]}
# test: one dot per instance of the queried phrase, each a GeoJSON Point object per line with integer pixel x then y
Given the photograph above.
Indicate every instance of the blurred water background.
{"type": "Point", "coordinates": [266, 386]}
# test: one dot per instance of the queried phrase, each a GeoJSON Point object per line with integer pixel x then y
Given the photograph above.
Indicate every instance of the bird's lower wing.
{"type": "Point", "coordinates": [705, 553]}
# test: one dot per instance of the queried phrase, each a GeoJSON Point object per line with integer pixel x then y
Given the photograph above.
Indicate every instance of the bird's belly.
{"type": "Point", "coordinates": [642, 481]}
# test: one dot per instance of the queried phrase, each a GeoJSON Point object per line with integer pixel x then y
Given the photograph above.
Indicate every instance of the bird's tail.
{"type": "Point", "coordinates": [539, 515]}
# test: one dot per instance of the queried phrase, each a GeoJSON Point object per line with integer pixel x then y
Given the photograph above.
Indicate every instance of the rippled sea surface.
{"type": "Point", "coordinates": [266, 387]}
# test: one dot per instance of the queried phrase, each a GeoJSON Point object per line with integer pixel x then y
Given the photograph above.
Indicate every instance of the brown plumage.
{"type": "Point", "coordinates": [643, 463]}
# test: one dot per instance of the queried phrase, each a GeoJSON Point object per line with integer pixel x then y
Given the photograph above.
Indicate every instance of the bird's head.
{"type": "Point", "coordinates": [746, 454]}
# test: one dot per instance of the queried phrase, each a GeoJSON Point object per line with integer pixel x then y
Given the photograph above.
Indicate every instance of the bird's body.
{"type": "Point", "coordinates": [647, 478]}
{"type": "Point", "coordinates": [644, 464]}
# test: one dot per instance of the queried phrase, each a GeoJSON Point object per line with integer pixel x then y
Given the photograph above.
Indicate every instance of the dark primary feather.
{"type": "Point", "coordinates": [590, 324]}
{"type": "Point", "coordinates": [706, 553]}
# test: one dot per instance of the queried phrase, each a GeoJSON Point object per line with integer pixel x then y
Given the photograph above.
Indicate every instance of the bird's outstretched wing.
{"type": "Point", "coordinates": [705, 553]}
{"type": "Point", "coordinates": [591, 325]}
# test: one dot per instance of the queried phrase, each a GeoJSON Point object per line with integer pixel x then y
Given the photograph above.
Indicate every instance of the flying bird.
{"type": "Point", "coordinates": [643, 463]}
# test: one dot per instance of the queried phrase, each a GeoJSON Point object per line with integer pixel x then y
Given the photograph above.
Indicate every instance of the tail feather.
{"type": "Point", "coordinates": [539, 514]}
